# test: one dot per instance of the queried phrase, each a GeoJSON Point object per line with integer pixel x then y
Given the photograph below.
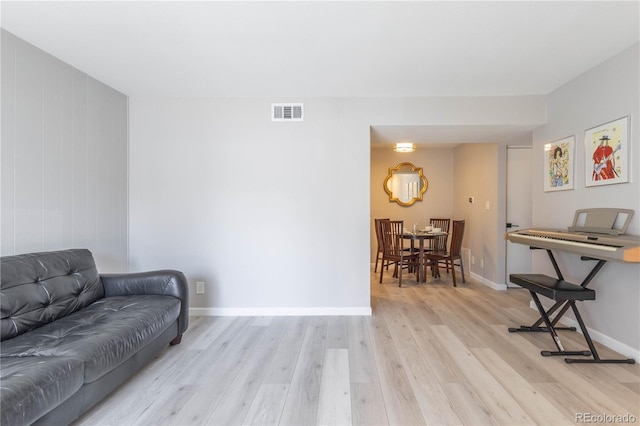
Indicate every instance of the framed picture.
{"type": "Point", "coordinates": [606, 150]}
{"type": "Point", "coordinates": [558, 164]}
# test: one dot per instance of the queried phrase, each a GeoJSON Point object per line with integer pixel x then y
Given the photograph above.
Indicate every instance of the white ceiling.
{"type": "Point", "coordinates": [320, 48]}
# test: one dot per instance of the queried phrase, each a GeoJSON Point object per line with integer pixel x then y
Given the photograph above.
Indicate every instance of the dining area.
{"type": "Point", "coordinates": [417, 225]}
{"type": "Point", "coordinates": [419, 251]}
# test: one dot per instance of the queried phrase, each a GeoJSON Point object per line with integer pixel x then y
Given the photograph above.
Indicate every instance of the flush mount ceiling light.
{"type": "Point", "coordinates": [404, 147]}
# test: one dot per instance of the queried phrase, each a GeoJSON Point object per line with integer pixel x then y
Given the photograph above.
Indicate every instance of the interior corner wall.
{"type": "Point", "coordinates": [603, 94]}
{"type": "Point", "coordinates": [437, 201]}
{"type": "Point", "coordinates": [477, 171]}
{"type": "Point", "coordinates": [63, 158]}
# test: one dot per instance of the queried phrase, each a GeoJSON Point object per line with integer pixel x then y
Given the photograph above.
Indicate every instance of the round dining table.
{"type": "Point", "coordinates": [421, 236]}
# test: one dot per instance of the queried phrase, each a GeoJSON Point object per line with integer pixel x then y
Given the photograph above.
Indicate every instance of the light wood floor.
{"type": "Point", "coordinates": [429, 354]}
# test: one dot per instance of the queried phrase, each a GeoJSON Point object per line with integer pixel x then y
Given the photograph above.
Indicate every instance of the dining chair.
{"type": "Point", "coordinates": [440, 243]}
{"type": "Point", "coordinates": [393, 250]}
{"type": "Point", "coordinates": [379, 240]}
{"type": "Point", "coordinates": [454, 252]}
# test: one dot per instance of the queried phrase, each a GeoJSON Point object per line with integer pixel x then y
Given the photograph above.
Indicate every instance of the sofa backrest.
{"type": "Point", "coordinates": [38, 288]}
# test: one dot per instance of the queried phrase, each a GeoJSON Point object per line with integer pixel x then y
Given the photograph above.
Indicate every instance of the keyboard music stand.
{"type": "Point", "coordinates": [601, 221]}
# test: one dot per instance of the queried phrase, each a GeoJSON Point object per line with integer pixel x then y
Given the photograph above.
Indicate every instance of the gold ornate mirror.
{"type": "Point", "coordinates": [405, 184]}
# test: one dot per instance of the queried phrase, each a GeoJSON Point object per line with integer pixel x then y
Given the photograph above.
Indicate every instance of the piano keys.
{"type": "Point", "coordinates": [618, 248]}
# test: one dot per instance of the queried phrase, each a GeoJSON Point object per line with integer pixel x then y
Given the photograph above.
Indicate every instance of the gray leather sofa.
{"type": "Point", "coordinates": [70, 336]}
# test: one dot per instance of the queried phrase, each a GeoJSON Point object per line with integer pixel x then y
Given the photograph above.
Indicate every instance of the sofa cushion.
{"type": "Point", "coordinates": [102, 335]}
{"type": "Point", "coordinates": [38, 288]}
{"type": "Point", "coordinates": [32, 386]}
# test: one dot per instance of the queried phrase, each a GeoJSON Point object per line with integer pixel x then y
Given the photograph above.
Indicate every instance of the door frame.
{"type": "Point", "coordinates": [528, 193]}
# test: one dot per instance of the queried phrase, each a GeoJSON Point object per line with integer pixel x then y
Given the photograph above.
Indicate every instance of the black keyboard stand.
{"type": "Point", "coordinates": [552, 288]}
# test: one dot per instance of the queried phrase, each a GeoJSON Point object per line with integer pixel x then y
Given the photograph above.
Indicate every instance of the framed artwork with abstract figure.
{"type": "Point", "coordinates": [607, 153]}
{"type": "Point", "coordinates": [558, 164]}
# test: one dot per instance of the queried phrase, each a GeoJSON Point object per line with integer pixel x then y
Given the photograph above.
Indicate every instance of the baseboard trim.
{"type": "Point", "coordinates": [279, 312]}
{"type": "Point", "coordinates": [608, 341]}
{"type": "Point", "coordinates": [490, 284]}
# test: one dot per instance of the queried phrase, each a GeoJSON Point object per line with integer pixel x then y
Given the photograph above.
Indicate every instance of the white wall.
{"type": "Point", "coordinates": [603, 94]}
{"type": "Point", "coordinates": [64, 158]}
{"type": "Point", "coordinates": [268, 243]}
{"type": "Point", "coordinates": [266, 213]}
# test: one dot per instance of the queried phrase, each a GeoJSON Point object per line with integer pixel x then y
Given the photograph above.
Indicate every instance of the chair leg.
{"type": "Point", "coordinates": [381, 271]}
{"type": "Point", "coordinates": [435, 268]}
{"type": "Point", "coordinates": [376, 267]}
{"type": "Point", "coordinates": [462, 270]}
{"type": "Point", "coordinates": [453, 273]}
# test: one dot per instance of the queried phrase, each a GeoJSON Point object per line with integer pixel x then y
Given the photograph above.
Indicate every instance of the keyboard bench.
{"type": "Point", "coordinates": [552, 288]}
{"type": "Point", "coordinates": [562, 292]}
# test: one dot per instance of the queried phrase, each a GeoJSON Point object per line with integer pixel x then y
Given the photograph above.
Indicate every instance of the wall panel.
{"type": "Point", "coordinates": [8, 75]}
{"type": "Point", "coordinates": [64, 158]}
{"type": "Point", "coordinates": [28, 153]}
{"type": "Point", "coordinates": [51, 152]}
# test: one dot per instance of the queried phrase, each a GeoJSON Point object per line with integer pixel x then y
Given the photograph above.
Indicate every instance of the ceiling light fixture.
{"type": "Point", "coordinates": [404, 147]}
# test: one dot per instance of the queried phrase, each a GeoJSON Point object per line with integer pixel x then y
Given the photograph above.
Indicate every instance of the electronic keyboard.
{"type": "Point", "coordinates": [619, 248]}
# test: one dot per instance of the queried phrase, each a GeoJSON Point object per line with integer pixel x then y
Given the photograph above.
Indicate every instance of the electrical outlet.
{"type": "Point", "coordinates": [482, 263]}
{"type": "Point", "coordinates": [200, 287]}
{"type": "Point", "coordinates": [473, 260]}
{"type": "Point", "coordinates": [487, 205]}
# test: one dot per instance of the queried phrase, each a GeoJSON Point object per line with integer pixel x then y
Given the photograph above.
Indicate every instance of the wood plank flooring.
{"type": "Point", "coordinates": [429, 354]}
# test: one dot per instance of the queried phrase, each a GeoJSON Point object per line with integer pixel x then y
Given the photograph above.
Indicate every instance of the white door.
{"type": "Point", "coordinates": [519, 183]}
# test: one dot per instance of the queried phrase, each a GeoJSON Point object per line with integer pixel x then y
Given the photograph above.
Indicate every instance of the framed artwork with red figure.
{"type": "Point", "coordinates": [607, 153]}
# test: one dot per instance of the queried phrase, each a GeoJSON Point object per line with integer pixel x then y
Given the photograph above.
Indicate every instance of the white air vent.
{"type": "Point", "coordinates": [287, 112]}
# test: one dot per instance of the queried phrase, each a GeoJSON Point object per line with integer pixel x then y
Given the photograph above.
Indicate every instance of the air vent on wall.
{"type": "Point", "coordinates": [287, 112]}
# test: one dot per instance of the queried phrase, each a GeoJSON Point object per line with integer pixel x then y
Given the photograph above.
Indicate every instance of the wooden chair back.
{"type": "Point", "coordinates": [379, 252]}
{"type": "Point", "coordinates": [440, 223]}
{"type": "Point", "coordinates": [392, 242]}
{"type": "Point", "coordinates": [456, 238]}
{"type": "Point", "coordinates": [448, 258]}
{"type": "Point", "coordinates": [440, 243]}
{"type": "Point", "coordinates": [379, 232]}
{"type": "Point", "coordinates": [393, 249]}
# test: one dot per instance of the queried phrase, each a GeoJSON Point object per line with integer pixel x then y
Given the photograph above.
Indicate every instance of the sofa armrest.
{"type": "Point", "coordinates": [164, 282]}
